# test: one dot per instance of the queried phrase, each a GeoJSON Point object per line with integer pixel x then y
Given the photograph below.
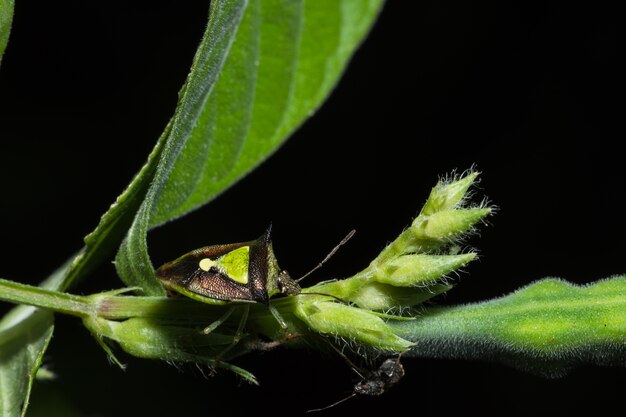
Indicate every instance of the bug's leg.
{"type": "Point", "coordinates": [238, 335]}
{"type": "Point", "coordinates": [242, 324]}
{"type": "Point", "coordinates": [278, 317]}
{"type": "Point", "coordinates": [219, 321]}
{"type": "Point", "coordinates": [217, 362]}
{"type": "Point", "coordinates": [266, 346]}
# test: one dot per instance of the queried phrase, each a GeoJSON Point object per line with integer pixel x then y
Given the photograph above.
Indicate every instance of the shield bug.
{"type": "Point", "coordinates": [244, 272]}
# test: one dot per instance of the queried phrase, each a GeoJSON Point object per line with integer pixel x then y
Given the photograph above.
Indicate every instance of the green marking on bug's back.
{"type": "Point", "coordinates": [234, 264]}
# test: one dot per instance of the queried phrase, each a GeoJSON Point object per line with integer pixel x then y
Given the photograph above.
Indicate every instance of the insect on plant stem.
{"type": "Point", "coordinates": [245, 272]}
{"type": "Point", "coordinates": [372, 382]}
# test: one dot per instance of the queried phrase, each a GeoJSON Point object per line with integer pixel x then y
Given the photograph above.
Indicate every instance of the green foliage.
{"type": "Point", "coordinates": [413, 267]}
{"type": "Point", "coordinates": [282, 61]}
{"type": "Point", "coordinates": [6, 16]}
{"type": "Point", "coordinates": [546, 327]}
{"type": "Point", "coordinates": [25, 326]}
{"type": "Point", "coordinates": [24, 335]}
{"type": "Point", "coordinates": [143, 326]}
{"type": "Point", "coordinates": [249, 87]}
{"type": "Point", "coordinates": [132, 261]}
{"type": "Point", "coordinates": [261, 69]}
{"type": "Point", "coordinates": [409, 271]}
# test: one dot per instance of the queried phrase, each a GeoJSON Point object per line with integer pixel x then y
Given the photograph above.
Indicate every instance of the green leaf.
{"type": "Point", "coordinates": [6, 17]}
{"type": "Point", "coordinates": [28, 327]}
{"type": "Point", "coordinates": [24, 336]}
{"type": "Point", "coordinates": [286, 57]}
{"type": "Point", "coordinates": [546, 328]}
{"type": "Point", "coordinates": [262, 68]}
{"type": "Point", "coordinates": [132, 261]}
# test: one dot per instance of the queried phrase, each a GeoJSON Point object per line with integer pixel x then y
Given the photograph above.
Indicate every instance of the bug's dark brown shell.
{"type": "Point", "coordinates": [185, 272]}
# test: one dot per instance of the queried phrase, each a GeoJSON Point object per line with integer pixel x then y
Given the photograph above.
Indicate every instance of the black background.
{"type": "Point", "coordinates": [526, 93]}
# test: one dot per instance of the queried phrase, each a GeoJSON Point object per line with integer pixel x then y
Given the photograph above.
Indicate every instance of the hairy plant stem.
{"type": "Point", "coordinates": [546, 328]}
{"type": "Point", "coordinates": [112, 306]}
{"type": "Point", "coordinates": [61, 302]}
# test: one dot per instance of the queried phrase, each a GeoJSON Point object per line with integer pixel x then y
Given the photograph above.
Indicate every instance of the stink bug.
{"type": "Point", "coordinates": [244, 272]}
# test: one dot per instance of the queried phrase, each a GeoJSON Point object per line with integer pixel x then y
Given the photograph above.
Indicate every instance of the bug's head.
{"type": "Point", "coordinates": [287, 285]}
{"type": "Point", "coordinates": [278, 280]}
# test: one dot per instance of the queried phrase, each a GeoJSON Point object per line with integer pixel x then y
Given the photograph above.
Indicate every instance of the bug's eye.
{"type": "Point", "coordinates": [286, 285]}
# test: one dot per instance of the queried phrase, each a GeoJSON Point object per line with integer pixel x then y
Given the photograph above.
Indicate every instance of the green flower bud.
{"type": "Point", "coordinates": [351, 323]}
{"type": "Point", "coordinates": [149, 338]}
{"type": "Point", "coordinates": [415, 258]}
{"type": "Point", "coordinates": [443, 219]}
{"type": "Point", "coordinates": [384, 297]}
{"type": "Point", "coordinates": [446, 225]}
{"type": "Point", "coordinates": [377, 296]}
{"type": "Point", "coordinates": [414, 270]}
{"type": "Point", "coordinates": [153, 339]}
{"type": "Point", "coordinates": [447, 195]}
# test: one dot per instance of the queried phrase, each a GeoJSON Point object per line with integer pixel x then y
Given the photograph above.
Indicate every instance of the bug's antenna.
{"type": "Point", "coordinates": [332, 405]}
{"type": "Point", "coordinates": [355, 368]}
{"type": "Point", "coordinates": [332, 252]}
